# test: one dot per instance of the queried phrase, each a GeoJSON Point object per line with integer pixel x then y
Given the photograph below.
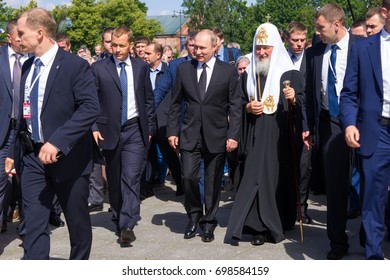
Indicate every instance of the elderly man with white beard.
{"type": "Point", "coordinates": [265, 202]}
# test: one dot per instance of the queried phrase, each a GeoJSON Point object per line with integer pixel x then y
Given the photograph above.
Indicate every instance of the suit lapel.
{"type": "Point", "coordinates": [374, 52]}
{"type": "Point", "coordinates": [194, 77]}
{"type": "Point", "coordinates": [5, 68]}
{"type": "Point", "coordinates": [112, 71]}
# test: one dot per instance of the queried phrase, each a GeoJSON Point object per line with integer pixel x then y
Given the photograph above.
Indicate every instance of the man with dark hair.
{"type": "Point", "coordinates": [162, 95]}
{"type": "Point", "coordinates": [140, 44]}
{"type": "Point", "coordinates": [359, 28]}
{"type": "Point", "coordinates": [60, 105]}
{"type": "Point", "coordinates": [156, 168]}
{"type": "Point", "coordinates": [125, 134]}
{"type": "Point", "coordinates": [106, 42]}
{"type": "Point", "coordinates": [63, 41]}
{"type": "Point", "coordinates": [365, 118]}
{"type": "Point", "coordinates": [324, 80]}
{"type": "Point", "coordinates": [374, 21]}
{"type": "Point", "coordinates": [228, 55]}
{"type": "Point", "coordinates": [12, 59]}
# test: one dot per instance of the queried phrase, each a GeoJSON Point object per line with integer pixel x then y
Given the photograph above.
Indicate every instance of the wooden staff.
{"type": "Point", "coordinates": [287, 84]}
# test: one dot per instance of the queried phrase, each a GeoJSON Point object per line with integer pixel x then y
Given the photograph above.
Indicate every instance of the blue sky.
{"type": "Point", "coordinates": [155, 7]}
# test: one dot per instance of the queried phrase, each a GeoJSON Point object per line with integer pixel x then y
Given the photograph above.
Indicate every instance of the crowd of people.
{"type": "Point", "coordinates": [277, 121]}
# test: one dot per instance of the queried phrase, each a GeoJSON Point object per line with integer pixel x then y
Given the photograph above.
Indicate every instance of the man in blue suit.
{"type": "Point", "coordinates": [327, 61]}
{"type": "Point", "coordinates": [124, 128]}
{"type": "Point", "coordinates": [167, 81]}
{"type": "Point", "coordinates": [229, 55]}
{"type": "Point", "coordinates": [60, 105]}
{"type": "Point", "coordinates": [365, 118]}
{"type": "Point", "coordinates": [12, 59]}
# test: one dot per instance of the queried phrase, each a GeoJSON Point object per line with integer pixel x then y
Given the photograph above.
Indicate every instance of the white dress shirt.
{"type": "Point", "coordinates": [385, 58]}
{"type": "Point", "coordinates": [341, 65]}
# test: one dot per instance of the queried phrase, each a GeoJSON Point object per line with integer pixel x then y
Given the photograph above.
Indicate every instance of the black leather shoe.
{"type": "Point", "coordinates": [208, 236]}
{"type": "Point", "coordinates": [56, 221]}
{"type": "Point", "coordinates": [337, 254]}
{"type": "Point", "coordinates": [353, 213]}
{"type": "Point", "coordinates": [258, 240]}
{"type": "Point", "coordinates": [306, 219]}
{"type": "Point", "coordinates": [95, 207]}
{"type": "Point", "coordinates": [127, 236]}
{"type": "Point", "coordinates": [190, 230]}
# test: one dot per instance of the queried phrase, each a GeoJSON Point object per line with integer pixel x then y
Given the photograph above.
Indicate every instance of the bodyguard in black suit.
{"type": "Point", "coordinates": [324, 81]}
{"type": "Point", "coordinates": [11, 58]}
{"type": "Point", "coordinates": [124, 128]}
{"type": "Point", "coordinates": [296, 39]}
{"type": "Point", "coordinates": [210, 128]}
{"type": "Point", "coordinates": [60, 105]}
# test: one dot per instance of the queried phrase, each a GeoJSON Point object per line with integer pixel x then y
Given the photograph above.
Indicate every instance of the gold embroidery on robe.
{"type": "Point", "coordinates": [269, 103]}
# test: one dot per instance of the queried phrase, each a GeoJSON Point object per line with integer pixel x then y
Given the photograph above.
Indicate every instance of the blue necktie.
{"type": "Point", "coordinates": [34, 100]}
{"type": "Point", "coordinates": [293, 58]}
{"type": "Point", "coordinates": [332, 95]}
{"type": "Point", "coordinates": [123, 78]}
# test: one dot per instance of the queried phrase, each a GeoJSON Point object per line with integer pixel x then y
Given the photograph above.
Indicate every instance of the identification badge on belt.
{"type": "Point", "coordinates": [26, 110]}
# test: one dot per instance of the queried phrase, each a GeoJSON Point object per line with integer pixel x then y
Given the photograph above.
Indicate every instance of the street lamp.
{"type": "Point", "coordinates": [180, 12]}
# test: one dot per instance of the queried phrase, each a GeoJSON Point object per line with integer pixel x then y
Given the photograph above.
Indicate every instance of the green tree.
{"type": "Point", "coordinates": [229, 15]}
{"type": "Point", "coordinates": [88, 18]}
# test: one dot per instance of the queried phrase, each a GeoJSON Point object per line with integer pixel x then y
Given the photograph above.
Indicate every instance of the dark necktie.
{"type": "Point", "coordinates": [17, 72]}
{"type": "Point", "coordinates": [123, 78]}
{"type": "Point", "coordinates": [34, 100]}
{"type": "Point", "coordinates": [332, 95]}
{"type": "Point", "coordinates": [293, 58]}
{"type": "Point", "coordinates": [203, 81]}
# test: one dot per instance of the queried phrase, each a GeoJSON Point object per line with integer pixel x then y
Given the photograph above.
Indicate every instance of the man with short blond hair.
{"type": "Point", "coordinates": [56, 137]}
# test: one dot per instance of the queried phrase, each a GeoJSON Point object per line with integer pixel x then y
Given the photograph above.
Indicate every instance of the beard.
{"type": "Point", "coordinates": [262, 66]}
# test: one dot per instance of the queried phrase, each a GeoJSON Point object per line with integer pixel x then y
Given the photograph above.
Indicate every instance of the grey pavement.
{"type": "Point", "coordinates": [160, 236]}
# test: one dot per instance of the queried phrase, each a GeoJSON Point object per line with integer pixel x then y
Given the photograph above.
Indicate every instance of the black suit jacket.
{"type": "Point", "coordinates": [70, 107]}
{"type": "Point", "coordinates": [5, 94]}
{"type": "Point", "coordinates": [110, 97]}
{"type": "Point", "coordinates": [311, 108]}
{"type": "Point", "coordinates": [210, 115]}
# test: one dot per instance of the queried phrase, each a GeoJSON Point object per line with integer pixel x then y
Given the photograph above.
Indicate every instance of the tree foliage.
{"type": "Point", "coordinates": [84, 20]}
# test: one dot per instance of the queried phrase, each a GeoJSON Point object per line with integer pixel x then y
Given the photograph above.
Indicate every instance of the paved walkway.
{"type": "Point", "coordinates": [160, 236]}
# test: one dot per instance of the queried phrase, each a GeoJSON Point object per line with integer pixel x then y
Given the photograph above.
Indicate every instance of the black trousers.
{"type": "Point", "coordinates": [213, 172]}
{"type": "Point", "coordinates": [335, 154]}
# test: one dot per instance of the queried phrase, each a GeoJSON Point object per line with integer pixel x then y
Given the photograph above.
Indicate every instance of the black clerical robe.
{"type": "Point", "coordinates": [266, 197]}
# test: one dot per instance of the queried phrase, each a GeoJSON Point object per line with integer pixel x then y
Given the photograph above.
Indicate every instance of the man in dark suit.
{"type": "Point", "coordinates": [167, 81]}
{"type": "Point", "coordinates": [229, 55]}
{"type": "Point", "coordinates": [60, 105]}
{"type": "Point", "coordinates": [162, 95]}
{"type": "Point", "coordinates": [296, 40]}
{"type": "Point", "coordinates": [156, 168]}
{"type": "Point", "coordinates": [124, 128]}
{"type": "Point", "coordinates": [10, 72]}
{"type": "Point", "coordinates": [210, 90]}
{"type": "Point", "coordinates": [365, 117]}
{"type": "Point", "coordinates": [324, 79]}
